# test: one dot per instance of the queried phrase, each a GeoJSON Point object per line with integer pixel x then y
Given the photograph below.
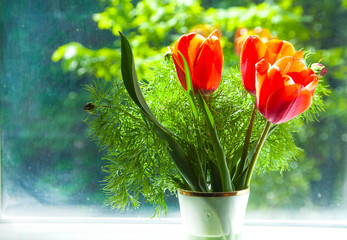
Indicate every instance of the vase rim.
{"type": "Point", "coordinates": [213, 194]}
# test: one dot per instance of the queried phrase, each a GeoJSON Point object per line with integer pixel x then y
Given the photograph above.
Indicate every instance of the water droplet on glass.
{"type": "Point", "coordinates": [207, 213]}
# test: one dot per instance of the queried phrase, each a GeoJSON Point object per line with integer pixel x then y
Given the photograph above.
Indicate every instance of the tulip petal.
{"type": "Point", "coordinates": [299, 55]}
{"type": "Point", "coordinates": [290, 64]}
{"type": "Point", "coordinates": [261, 74]}
{"type": "Point", "coordinates": [180, 73]}
{"type": "Point", "coordinates": [276, 49]}
{"type": "Point", "coordinates": [297, 70]}
{"type": "Point", "coordinates": [287, 103]}
{"type": "Point", "coordinates": [304, 77]}
{"type": "Point", "coordinates": [215, 33]}
{"type": "Point", "coordinates": [253, 50]}
{"type": "Point", "coordinates": [189, 45]}
{"type": "Point", "coordinates": [212, 41]}
{"type": "Point", "coordinates": [313, 83]}
{"type": "Point", "coordinates": [269, 79]}
{"type": "Point", "coordinates": [207, 70]}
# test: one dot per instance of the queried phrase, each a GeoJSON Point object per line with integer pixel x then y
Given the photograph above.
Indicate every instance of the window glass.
{"type": "Point", "coordinates": [50, 49]}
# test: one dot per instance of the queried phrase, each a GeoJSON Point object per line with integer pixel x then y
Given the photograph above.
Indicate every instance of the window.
{"type": "Point", "coordinates": [49, 167]}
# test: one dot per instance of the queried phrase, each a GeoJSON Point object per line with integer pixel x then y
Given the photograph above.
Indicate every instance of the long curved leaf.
{"type": "Point", "coordinates": [132, 86]}
{"type": "Point", "coordinates": [217, 147]}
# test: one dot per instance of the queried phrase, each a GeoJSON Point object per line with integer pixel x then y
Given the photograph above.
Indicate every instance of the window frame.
{"type": "Point", "coordinates": [125, 231]}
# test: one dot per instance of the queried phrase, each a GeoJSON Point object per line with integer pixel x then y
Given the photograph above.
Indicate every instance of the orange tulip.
{"type": "Point", "coordinates": [205, 60]}
{"type": "Point", "coordinates": [285, 89]}
{"type": "Point", "coordinates": [254, 50]}
{"type": "Point", "coordinates": [242, 34]}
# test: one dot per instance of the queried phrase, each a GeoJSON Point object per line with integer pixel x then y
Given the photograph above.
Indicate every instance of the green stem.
{"type": "Point", "coordinates": [246, 143]}
{"type": "Point", "coordinates": [217, 148]}
{"type": "Point", "coordinates": [126, 113]}
{"type": "Point", "coordinates": [256, 153]}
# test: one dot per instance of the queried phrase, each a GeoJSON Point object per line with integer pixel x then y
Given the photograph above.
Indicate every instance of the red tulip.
{"type": "Point", "coordinates": [205, 60]}
{"type": "Point", "coordinates": [285, 89]}
{"type": "Point", "coordinates": [254, 50]}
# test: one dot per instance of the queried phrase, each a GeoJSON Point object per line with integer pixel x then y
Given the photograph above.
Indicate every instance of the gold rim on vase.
{"type": "Point", "coordinates": [213, 194]}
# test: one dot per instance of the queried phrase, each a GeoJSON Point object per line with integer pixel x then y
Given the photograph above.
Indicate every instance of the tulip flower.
{"type": "Point", "coordinates": [205, 60]}
{"type": "Point", "coordinates": [242, 34]}
{"type": "Point", "coordinates": [285, 89]}
{"type": "Point", "coordinates": [254, 50]}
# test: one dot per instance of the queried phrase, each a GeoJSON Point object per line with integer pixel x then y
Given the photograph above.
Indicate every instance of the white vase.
{"type": "Point", "coordinates": [213, 216]}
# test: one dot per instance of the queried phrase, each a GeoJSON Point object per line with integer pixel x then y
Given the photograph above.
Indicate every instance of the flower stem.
{"type": "Point", "coordinates": [246, 143]}
{"type": "Point", "coordinates": [256, 153]}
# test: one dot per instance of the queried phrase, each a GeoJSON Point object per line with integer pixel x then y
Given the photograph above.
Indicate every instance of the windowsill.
{"type": "Point", "coordinates": [103, 230]}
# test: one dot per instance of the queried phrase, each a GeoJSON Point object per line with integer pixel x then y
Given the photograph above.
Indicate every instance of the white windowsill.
{"type": "Point", "coordinates": [103, 230]}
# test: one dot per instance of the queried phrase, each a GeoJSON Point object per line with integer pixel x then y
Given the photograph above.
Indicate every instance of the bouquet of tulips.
{"type": "Point", "coordinates": [206, 135]}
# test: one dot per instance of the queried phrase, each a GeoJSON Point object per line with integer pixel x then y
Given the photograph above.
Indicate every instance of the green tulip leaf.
{"type": "Point", "coordinates": [131, 84]}
{"type": "Point", "coordinates": [217, 147]}
{"type": "Point", "coordinates": [190, 89]}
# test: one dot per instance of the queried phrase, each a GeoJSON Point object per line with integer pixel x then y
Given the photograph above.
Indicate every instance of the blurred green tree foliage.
{"type": "Point", "coordinates": [151, 25]}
